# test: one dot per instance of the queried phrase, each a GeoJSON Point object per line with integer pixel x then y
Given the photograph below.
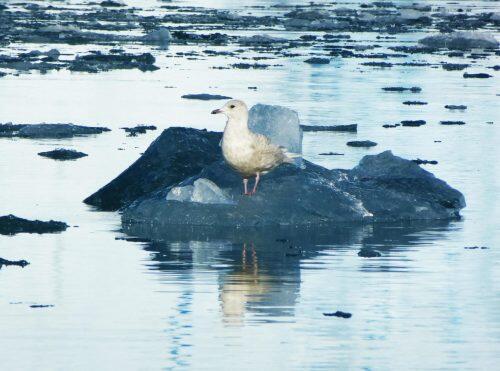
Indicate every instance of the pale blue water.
{"type": "Point", "coordinates": [238, 300]}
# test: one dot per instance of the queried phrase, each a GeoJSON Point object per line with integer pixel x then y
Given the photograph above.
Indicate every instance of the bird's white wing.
{"type": "Point", "coordinates": [266, 154]}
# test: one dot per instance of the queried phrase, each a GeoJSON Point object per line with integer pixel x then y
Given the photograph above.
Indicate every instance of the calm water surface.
{"type": "Point", "coordinates": [241, 299]}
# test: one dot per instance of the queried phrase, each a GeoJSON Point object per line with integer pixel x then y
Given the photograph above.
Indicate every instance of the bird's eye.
{"type": "Point", "coordinates": [231, 106]}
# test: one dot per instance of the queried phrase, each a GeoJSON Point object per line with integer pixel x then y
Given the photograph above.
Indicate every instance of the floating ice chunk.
{"type": "Point", "coordinates": [461, 41]}
{"type": "Point", "coordinates": [263, 39]}
{"type": "Point", "coordinates": [280, 124]}
{"type": "Point", "coordinates": [160, 36]}
{"type": "Point", "coordinates": [59, 28]}
{"type": "Point", "coordinates": [207, 192]}
{"type": "Point", "coordinates": [180, 193]}
{"type": "Point", "coordinates": [203, 191]}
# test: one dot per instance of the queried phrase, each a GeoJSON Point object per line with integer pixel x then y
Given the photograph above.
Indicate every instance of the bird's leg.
{"type": "Point", "coordinates": [257, 178]}
{"type": "Point", "coordinates": [245, 187]}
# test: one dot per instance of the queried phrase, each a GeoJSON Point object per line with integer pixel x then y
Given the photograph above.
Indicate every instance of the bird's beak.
{"type": "Point", "coordinates": [216, 111]}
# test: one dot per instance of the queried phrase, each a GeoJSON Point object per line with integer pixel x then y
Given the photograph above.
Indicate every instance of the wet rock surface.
{"type": "Point", "coordinates": [339, 314]}
{"type": "Point", "coordinates": [331, 154]}
{"type": "Point", "coordinates": [361, 143]}
{"type": "Point", "coordinates": [455, 107]}
{"type": "Point", "coordinates": [480, 75]}
{"type": "Point", "coordinates": [205, 96]}
{"type": "Point", "coordinates": [414, 103]}
{"type": "Point", "coordinates": [425, 162]}
{"type": "Point", "coordinates": [48, 131]}
{"type": "Point", "coordinates": [175, 155]}
{"type": "Point", "coordinates": [317, 60]}
{"type": "Point", "coordinates": [351, 128]}
{"type": "Point", "coordinates": [97, 62]}
{"type": "Point", "coordinates": [413, 123]}
{"type": "Point", "coordinates": [139, 129]}
{"type": "Point", "coordinates": [400, 89]}
{"type": "Point", "coordinates": [11, 224]}
{"type": "Point", "coordinates": [159, 188]}
{"type": "Point", "coordinates": [19, 263]}
{"type": "Point", "coordinates": [63, 154]}
{"type": "Point", "coordinates": [368, 252]}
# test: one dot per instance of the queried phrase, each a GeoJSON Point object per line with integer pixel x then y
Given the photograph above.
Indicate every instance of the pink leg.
{"type": "Point", "coordinates": [245, 187]}
{"type": "Point", "coordinates": [257, 178]}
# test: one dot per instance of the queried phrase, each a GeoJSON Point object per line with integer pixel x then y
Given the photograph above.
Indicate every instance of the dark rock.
{"type": "Point", "coordinates": [452, 107]}
{"type": "Point", "coordinates": [476, 247]}
{"type": "Point", "coordinates": [20, 263]}
{"type": "Point", "coordinates": [132, 239]}
{"type": "Point", "coordinates": [425, 162]}
{"type": "Point", "coordinates": [414, 89]}
{"type": "Point", "coordinates": [205, 96]}
{"type": "Point", "coordinates": [97, 62]}
{"type": "Point", "coordinates": [351, 128]}
{"type": "Point", "coordinates": [308, 37]}
{"type": "Point", "coordinates": [338, 314]}
{"type": "Point", "coordinates": [389, 126]}
{"type": "Point", "coordinates": [413, 123]}
{"type": "Point", "coordinates": [367, 252]}
{"type": "Point", "coordinates": [112, 4]}
{"type": "Point", "coordinates": [394, 188]}
{"type": "Point", "coordinates": [414, 103]}
{"type": "Point", "coordinates": [476, 75]}
{"type": "Point", "coordinates": [317, 60]}
{"type": "Point", "coordinates": [454, 66]}
{"type": "Point", "coordinates": [215, 38]}
{"type": "Point", "coordinates": [246, 66]}
{"type": "Point", "coordinates": [48, 131]}
{"type": "Point", "coordinates": [331, 154]}
{"type": "Point", "coordinates": [175, 155]}
{"type": "Point", "coordinates": [139, 129]}
{"type": "Point", "coordinates": [452, 123]}
{"type": "Point", "coordinates": [381, 188]}
{"type": "Point", "coordinates": [336, 37]}
{"type": "Point", "coordinates": [361, 143]}
{"type": "Point", "coordinates": [414, 64]}
{"type": "Point", "coordinates": [378, 64]}
{"type": "Point", "coordinates": [63, 154]}
{"type": "Point", "coordinates": [38, 306]}
{"type": "Point", "coordinates": [10, 224]}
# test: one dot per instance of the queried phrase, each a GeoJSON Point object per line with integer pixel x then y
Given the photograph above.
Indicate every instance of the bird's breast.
{"type": "Point", "coordinates": [237, 151]}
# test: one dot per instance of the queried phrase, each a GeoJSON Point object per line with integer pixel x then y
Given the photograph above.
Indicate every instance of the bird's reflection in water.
{"type": "Point", "coordinates": [243, 287]}
{"type": "Point", "coordinates": [258, 272]}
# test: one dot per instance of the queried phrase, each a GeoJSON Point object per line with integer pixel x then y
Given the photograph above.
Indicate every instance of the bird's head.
{"type": "Point", "coordinates": [235, 109]}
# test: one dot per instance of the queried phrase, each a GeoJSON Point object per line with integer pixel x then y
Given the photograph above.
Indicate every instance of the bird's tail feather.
{"type": "Point", "coordinates": [290, 156]}
{"type": "Point", "coordinates": [293, 158]}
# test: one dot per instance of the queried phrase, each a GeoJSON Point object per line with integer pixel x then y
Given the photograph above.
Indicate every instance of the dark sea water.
{"type": "Point", "coordinates": [234, 299]}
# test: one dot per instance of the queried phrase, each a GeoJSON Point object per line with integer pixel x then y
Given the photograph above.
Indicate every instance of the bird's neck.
{"type": "Point", "coordinates": [239, 125]}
